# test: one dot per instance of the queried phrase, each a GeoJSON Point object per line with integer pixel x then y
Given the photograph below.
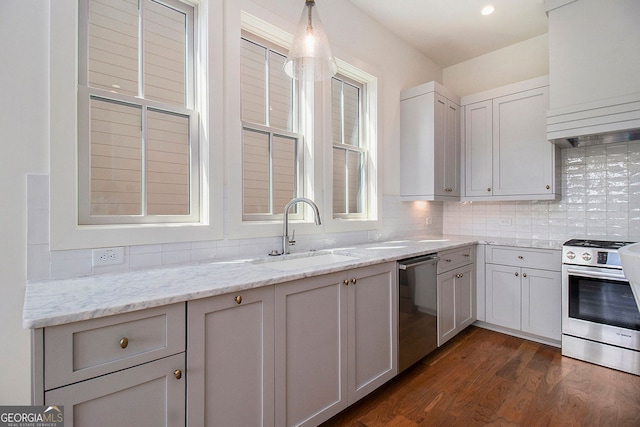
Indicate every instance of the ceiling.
{"type": "Point", "coordinates": [453, 31]}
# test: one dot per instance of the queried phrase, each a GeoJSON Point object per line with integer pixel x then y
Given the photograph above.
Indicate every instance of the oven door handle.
{"type": "Point", "coordinates": [595, 274]}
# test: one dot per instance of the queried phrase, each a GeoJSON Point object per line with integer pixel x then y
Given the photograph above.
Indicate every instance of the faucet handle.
{"type": "Point", "coordinates": [292, 241]}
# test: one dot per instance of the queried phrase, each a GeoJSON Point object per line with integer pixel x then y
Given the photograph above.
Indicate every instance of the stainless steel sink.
{"type": "Point", "coordinates": [306, 260]}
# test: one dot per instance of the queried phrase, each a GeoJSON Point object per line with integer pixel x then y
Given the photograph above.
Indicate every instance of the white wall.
{"type": "Point", "coordinates": [511, 64]}
{"type": "Point", "coordinates": [24, 120]}
{"type": "Point", "coordinates": [24, 111]}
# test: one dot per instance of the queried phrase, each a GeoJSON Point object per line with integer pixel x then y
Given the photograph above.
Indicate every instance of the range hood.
{"type": "Point", "coordinates": [594, 64]}
{"type": "Point", "coordinates": [603, 122]}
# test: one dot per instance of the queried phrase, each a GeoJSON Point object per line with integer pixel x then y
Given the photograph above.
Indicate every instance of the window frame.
{"type": "Point", "coordinates": [65, 230]}
{"type": "Point", "coordinates": [362, 149]}
{"type": "Point", "coordinates": [266, 128]}
{"type": "Point", "coordinates": [86, 93]}
{"type": "Point", "coordinates": [369, 137]}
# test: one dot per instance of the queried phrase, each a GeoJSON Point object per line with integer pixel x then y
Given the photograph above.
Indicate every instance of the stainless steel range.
{"type": "Point", "coordinates": [600, 319]}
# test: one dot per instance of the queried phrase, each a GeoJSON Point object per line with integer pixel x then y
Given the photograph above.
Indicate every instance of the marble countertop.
{"type": "Point", "coordinates": [55, 302]}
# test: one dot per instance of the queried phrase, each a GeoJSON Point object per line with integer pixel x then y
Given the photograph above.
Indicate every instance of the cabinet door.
{"type": "Point", "coordinates": [417, 150]}
{"type": "Point", "coordinates": [372, 328]}
{"type": "Point", "coordinates": [478, 136]}
{"type": "Point", "coordinates": [541, 302]}
{"type": "Point", "coordinates": [465, 302]}
{"type": "Point", "coordinates": [446, 306]}
{"type": "Point", "coordinates": [502, 289]}
{"type": "Point", "coordinates": [148, 395]}
{"type": "Point", "coordinates": [447, 147]}
{"type": "Point", "coordinates": [311, 350]}
{"type": "Point", "coordinates": [523, 162]}
{"type": "Point", "coordinates": [231, 350]}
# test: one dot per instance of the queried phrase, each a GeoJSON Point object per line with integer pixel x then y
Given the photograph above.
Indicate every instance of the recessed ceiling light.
{"type": "Point", "coordinates": [488, 10]}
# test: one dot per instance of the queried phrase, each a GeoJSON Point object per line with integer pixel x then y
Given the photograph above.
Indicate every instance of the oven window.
{"type": "Point", "coordinates": [603, 301]}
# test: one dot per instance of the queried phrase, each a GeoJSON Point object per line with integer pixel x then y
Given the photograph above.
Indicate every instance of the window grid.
{"type": "Point", "coordinates": [349, 175]}
{"type": "Point", "coordinates": [168, 166]}
{"type": "Point", "coordinates": [269, 108]}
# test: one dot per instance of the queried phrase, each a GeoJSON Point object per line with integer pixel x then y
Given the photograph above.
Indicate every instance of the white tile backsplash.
{"type": "Point", "coordinates": [600, 199]}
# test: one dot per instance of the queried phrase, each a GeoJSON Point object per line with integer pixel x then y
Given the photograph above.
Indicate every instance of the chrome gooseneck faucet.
{"type": "Point", "coordinates": [285, 221]}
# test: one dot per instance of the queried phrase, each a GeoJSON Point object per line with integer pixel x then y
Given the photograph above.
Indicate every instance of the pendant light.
{"type": "Point", "coordinates": [310, 57]}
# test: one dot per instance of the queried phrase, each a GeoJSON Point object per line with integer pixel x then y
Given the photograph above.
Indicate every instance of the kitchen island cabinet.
{"type": "Point", "coordinates": [335, 341]}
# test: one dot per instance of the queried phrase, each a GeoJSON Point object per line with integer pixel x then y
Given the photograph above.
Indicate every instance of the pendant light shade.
{"type": "Point", "coordinates": [310, 57]}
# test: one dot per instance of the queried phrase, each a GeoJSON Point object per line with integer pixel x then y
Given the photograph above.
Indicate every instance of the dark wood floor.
{"type": "Point", "coordinates": [486, 378]}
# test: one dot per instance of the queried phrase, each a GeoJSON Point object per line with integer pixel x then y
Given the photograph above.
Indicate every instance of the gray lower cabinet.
{"type": "Point", "coordinates": [230, 359]}
{"type": "Point", "coordinates": [455, 292]}
{"type": "Point", "coordinates": [456, 302]}
{"type": "Point", "coordinates": [523, 290]}
{"type": "Point", "coordinates": [294, 353]}
{"type": "Point", "coordinates": [149, 395]}
{"type": "Point", "coordinates": [121, 370]}
{"type": "Point", "coordinates": [335, 342]}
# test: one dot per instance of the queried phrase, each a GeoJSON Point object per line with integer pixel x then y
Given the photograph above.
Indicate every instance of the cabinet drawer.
{"type": "Point", "coordinates": [546, 259]}
{"type": "Point", "coordinates": [455, 258]}
{"type": "Point", "coordinates": [81, 350]}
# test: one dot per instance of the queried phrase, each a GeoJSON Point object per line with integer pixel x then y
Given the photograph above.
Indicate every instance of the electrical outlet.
{"type": "Point", "coordinates": [107, 256]}
{"type": "Point", "coordinates": [505, 221]}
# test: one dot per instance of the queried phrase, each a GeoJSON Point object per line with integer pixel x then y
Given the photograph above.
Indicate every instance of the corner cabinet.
{"type": "Point", "coordinates": [97, 368]}
{"type": "Point", "coordinates": [507, 154]}
{"type": "Point", "coordinates": [524, 291]}
{"type": "Point", "coordinates": [335, 342]}
{"type": "Point", "coordinates": [230, 359]}
{"type": "Point", "coordinates": [430, 143]}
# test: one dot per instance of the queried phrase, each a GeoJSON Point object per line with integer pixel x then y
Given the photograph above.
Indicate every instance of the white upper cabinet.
{"type": "Point", "coordinates": [507, 154]}
{"type": "Point", "coordinates": [430, 143]}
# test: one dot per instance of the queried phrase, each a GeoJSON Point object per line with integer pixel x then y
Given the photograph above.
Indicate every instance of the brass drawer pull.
{"type": "Point", "coordinates": [124, 342]}
{"type": "Point", "coordinates": [520, 257]}
{"type": "Point", "coordinates": [177, 373]}
{"type": "Point", "coordinates": [238, 299]}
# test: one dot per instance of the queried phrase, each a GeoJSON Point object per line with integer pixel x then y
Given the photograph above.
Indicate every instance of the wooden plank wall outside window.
{"type": "Point", "coordinates": [139, 151]}
{"type": "Point", "coordinates": [270, 146]}
{"type": "Point", "coordinates": [349, 151]}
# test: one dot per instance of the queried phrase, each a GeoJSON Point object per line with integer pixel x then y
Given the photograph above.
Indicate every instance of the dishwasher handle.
{"type": "Point", "coordinates": [403, 265]}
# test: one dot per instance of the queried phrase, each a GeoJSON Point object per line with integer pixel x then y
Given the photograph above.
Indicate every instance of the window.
{"type": "Point", "coordinates": [138, 142]}
{"type": "Point", "coordinates": [349, 149]}
{"type": "Point", "coordinates": [271, 146]}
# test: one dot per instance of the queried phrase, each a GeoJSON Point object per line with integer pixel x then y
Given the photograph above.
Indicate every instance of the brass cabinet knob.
{"type": "Point", "coordinates": [447, 260]}
{"type": "Point", "coordinates": [124, 342]}
{"type": "Point", "coordinates": [520, 257]}
{"type": "Point", "coordinates": [489, 189]}
{"type": "Point", "coordinates": [516, 274]}
{"type": "Point", "coordinates": [238, 299]}
{"type": "Point", "coordinates": [524, 274]}
{"type": "Point", "coordinates": [548, 187]}
{"type": "Point", "coordinates": [353, 280]}
{"type": "Point", "coordinates": [466, 255]}
{"type": "Point", "coordinates": [346, 282]}
{"type": "Point", "coordinates": [177, 373]}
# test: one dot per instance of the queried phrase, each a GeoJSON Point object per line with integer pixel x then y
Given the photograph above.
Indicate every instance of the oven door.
{"type": "Point", "coordinates": [598, 305]}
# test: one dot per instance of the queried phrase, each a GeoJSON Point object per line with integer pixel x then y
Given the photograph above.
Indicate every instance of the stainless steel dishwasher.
{"type": "Point", "coordinates": [418, 309]}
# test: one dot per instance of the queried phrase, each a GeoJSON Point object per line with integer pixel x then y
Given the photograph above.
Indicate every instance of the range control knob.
{"type": "Point", "coordinates": [571, 255]}
{"type": "Point", "coordinates": [586, 256]}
